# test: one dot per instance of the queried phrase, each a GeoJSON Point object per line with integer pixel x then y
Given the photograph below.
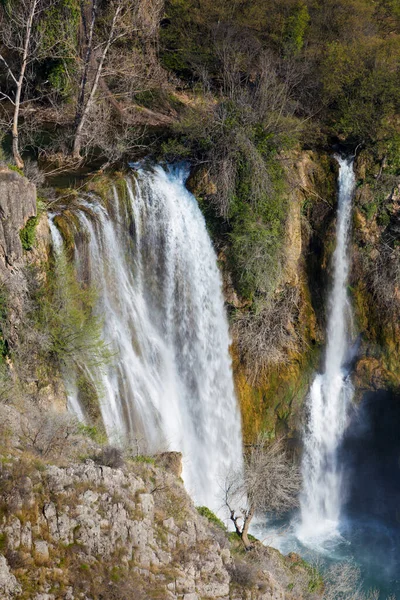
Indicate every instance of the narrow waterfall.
{"type": "Point", "coordinates": [152, 261]}
{"type": "Point", "coordinates": [331, 392]}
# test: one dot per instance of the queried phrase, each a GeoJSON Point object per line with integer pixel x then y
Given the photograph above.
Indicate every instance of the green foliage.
{"type": "Point", "coordinates": [93, 432]}
{"type": "Point", "coordinates": [295, 29]}
{"type": "Point", "coordinates": [185, 39]}
{"type": "Point", "coordinates": [15, 169]}
{"type": "Point", "coordinates": [362, 84]}
{"type": "Point", "coordinates": [60, 79]}
{"type": "Point", "coordinates": [141, 458]}
{"type": "Point", "coordinates": [173, 149]}
{"type": "Point", "coordinates": [28, 233]}
{"type": "Point", "coordinates": [234, 539]}
{"type": "Point", "coordinates": [59, 27]}
{"type": "Point", "coordinates": [249, 204]}
{"type": "Point", "coordinates": [393, 154]}
{"type": "Point", "coordinates": [208, 514]}
{"type": "Point", "coordinates": [64, 313]}
{"type": "Point", "coordinates": [257, 229]}
{"type": "Point", "coordinates": [383, 218]}
{"type": "Point", "coordinates": [88, 391]}
{"type": "Point", "coordinates": [316, 581]}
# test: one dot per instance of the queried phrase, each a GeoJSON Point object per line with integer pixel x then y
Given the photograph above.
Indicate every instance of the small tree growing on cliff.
{"type": "Point", "coordinates": [23, 40]}
{"type": "Point", "coordinates": [269, 482]}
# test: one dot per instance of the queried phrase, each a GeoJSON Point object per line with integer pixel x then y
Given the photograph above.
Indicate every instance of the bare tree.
{"type": "Point", "coordinates": [23, 42]}
{"type": "Point", "coordinates": [119, 24]}
{"type": "Point", "coordinates": [46, 433]}
{"type": "Point", "coordinates": [19, 39]}
{"type": "Point", "coordinates": [269, 482]}
{"type": "Point", "coordinates": [268, 334]}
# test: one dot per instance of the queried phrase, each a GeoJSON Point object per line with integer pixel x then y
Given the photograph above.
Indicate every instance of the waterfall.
{"type": "Point", "coordinates": [153, 264]}
{"type": "Point", "coordinates": [331, 392]}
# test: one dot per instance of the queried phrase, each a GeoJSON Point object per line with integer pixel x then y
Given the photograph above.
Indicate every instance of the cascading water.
{"type": "Point", "coordinates": [359, 525]}
{"type": "Point", "coordinates": [160, 296]}
{"type": "Point", "coordinates": [331, 392]}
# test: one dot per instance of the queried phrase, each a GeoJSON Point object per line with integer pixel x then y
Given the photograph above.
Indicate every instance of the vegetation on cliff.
{"type": "Point", "coordinates": [238, 89]}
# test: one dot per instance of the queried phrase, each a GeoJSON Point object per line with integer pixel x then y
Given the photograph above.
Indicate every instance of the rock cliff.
{"type": "Point", "coordinates": [90, 531]}
{"type": "Point", "coordinates": [17, 205]}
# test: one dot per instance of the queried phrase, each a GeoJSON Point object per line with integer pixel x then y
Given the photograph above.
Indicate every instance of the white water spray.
{"type": "Point", "coordinates": [160, 296]}
{"type": "Point", "coordinates": [331, 392]}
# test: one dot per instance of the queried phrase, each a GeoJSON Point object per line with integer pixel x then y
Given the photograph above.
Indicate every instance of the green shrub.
{"type": "Point", "coordinates": [393, 154]}
{"type": "Point", "coordinates": [208, 514]}
{"type": "Point", "coordinates": [140, 458]}
{"type": "Point", "coordinates": [295, 29]}
{"type": "Point", "coordinates": [28, 233]}
{"type": "Point", "coordinates": [64, 314]}
{"type": "Point", "coordinates": [15, 169]}
{"type": "Point", "coordinates": [383, 219]}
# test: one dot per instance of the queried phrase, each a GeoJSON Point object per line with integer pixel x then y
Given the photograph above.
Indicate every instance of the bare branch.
{"type": "Point", "coordinates": [270, 482]}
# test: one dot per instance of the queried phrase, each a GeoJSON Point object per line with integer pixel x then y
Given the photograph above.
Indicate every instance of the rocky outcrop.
{"type": "Point", "coordinates": [375, 278]}
{"type": "Point", "coordinates": [89, 531]}
{"type": "Point", "coordinates": [24, 253]}
{"type": "Point", "coordinates": [9, 587]}
{"type": "Point", "coordinates": [17, 205]}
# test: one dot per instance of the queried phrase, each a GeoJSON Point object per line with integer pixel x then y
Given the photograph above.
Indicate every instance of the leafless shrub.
{"type": "Point", "coordinates": [16, 559]}
{"type": "Point", "coordinates": [385, 278]}
{"type": "Point", "coordinates": [24, 42]}
{"type": "Point", "coordinates": [113, 138]}
{"type": "Point", "coordinates": [243, 573]}
{"type": "Point", "coordinates": [46, 433]}
{"type": "Point", "coordinates": [342, 582]}
{"type": "Point", "coordinates": [269, 482]}
{"type": "Point", "coordinates": [32, 172]}
{"type": "Point", "coordinates": [256, 90]}
{"type": "Point", "coordinates": [268, 336]}
{"type": "Point", "coordinates": [110, 456]}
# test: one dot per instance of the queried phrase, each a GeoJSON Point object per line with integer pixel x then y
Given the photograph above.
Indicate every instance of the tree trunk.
{"type": "Point", "coordinates": [15, 145]}
{"type": "Point", "coordinates": [76, 152]}
{"type": "Point", "coordinates": [245, 530]}
{"type": "Point", "coordinates": [87, 60]}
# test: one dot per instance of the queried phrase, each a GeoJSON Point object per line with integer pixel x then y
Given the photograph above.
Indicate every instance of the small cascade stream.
{"type": "Point", "coordinates": [331, 391]}
{"type": "Point", "coordinates": [170, 385]}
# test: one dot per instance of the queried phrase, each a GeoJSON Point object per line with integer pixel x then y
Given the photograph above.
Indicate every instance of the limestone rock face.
{"type": "Point", "coordinates": [171, 461]}
{"type": "Point", "coordinates": [17, 205]}
{"type": "Point", "coordinates": [97, 532]}
{"type": "Point", "coordinates": [9, 587]}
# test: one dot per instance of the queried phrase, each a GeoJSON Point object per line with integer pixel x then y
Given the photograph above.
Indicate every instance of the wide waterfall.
{"type": "Point", "coordinates": [331, 392]}
{"type": "Point", "coordinates": [170, 384]}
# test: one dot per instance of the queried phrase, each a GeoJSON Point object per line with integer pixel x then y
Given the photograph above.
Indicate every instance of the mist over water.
{"type": "Point", "coordinates": [160, 295]}
{"type": "Point", "coordinates": [368, 534]}
{"type": "Point", "coordinates": [331, 392]}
